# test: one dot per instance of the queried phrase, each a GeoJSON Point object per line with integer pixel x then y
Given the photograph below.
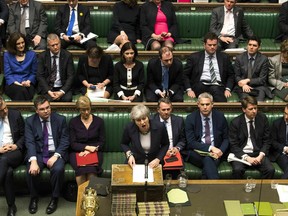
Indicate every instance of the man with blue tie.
{"type": "Point", "coordinates": [279, 148]}
{"type": "Point", "coordinates": [249, 137]}
{"type": "Point", "coordinates": [164, 77]}
{"type": "Point", "coordinates": [73, 24]}
{"type": "Point", "coordinates": [47, 142]}
{"type": "Point", "coordinates": [251, 71]}
{"type": "Point", "coordinates": [206, 131]}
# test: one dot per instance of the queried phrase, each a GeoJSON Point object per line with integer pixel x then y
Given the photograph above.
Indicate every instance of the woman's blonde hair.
{"type": "Point", "coordinates": [83, 102]}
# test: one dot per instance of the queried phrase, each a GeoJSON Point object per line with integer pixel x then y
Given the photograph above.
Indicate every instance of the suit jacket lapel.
{"type": "Point", "coordinates": [54, 129]}
{"type": "Point", "coordinates": [39, 129]}
{"type": "Point", "coordinates": [31, 14]}
{"type": "Point", "coordinates": [244, 125]}
{"type": "Point", "coordinates": [201, 63]}
{"type": "Point", "coordinates": [235, 14]}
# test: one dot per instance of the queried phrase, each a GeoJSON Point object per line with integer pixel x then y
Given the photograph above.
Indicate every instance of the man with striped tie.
{"type": "Point", "coordinates": [209, 71]}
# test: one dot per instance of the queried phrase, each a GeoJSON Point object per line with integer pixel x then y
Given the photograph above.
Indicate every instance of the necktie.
{"type": "Point", "coordinates": [53, 71]}
{"type": "Point", "coordinates": [252, 134]}
{"type": "Point", "coordinates": [165, 78]}
{"type": "Point", "coordinates": [71, 23]}
{"type": "Point", "coordinates": [45, 152]}
{"type": "Point", "coordinates": [23, 20]}
{"type": "Point", "coordinates": [1, 131]}
{"type": "Point", "coordinates": [207, 132]}
{"type": "Point", "coordinates": [211, 70]}
{"type": "Point", "coordinates": [250, 67]}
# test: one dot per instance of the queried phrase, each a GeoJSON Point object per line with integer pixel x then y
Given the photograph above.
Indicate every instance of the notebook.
{"type": "Point", "coordinates": [90, 159]}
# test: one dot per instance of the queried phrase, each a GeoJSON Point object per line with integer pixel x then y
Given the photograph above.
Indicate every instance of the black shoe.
{"type": "Point", "coordinates": [33, 205]}
{"type": "Point", "coordinates": [12, 210]}
{"type": "Point", "coordinates": [52, 206]}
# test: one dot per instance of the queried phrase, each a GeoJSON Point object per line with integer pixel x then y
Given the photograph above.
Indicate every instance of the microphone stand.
{"type": "Point", "coordinates": [146, 179]}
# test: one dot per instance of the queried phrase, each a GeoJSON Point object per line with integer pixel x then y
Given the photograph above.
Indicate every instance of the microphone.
{"type": "Point", "coordinates": [146, 168]}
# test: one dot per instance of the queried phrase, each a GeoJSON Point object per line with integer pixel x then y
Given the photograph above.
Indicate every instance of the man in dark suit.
{"type": "Point", "coordinates": [249, 137]}
{"type": "Point", "coordinates": [29, 18]}
{"type": "Point", "coordinates": [251, 71]}
{"type": "Point", "coordinates": [229, 24]}
{"type": "Point", "coordinates": [55, 81]}
{"type": "Point", "coordinates": [174, 126]}
{"type": "Point", "coordinates": [279, 148]}
{"type": "Point", "coordinates": [4, 13]}
{"type": "Point", "coordinates": [164, 77]}
{"type": "Point", "coordinates": [47, 142]}
{"type": "Point", "coordinates": [283, 21]}
{"type": "Point", "coordinates": [11, 151]}
{"type": "Point", "coordinates": [207, 131]}
{"type": "Point", "coordinates": [72, 31]}
{"type": "Point", "coordinates": [209, 71]}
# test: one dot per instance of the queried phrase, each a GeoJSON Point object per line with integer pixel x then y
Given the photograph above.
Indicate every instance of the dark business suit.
{"type": "Point", "coordinates": [178, 130]}
{"type": "Point", "coordinates": [159, 142]}
{"type": "Point", "coordinates": [178, 137]}
{"type": "Point", "coordinates": [278, 135]}
{"type": "Point", "coordinates": [259, 75]}
{"type": "Point", "coordinates": [12, 159]}
{"type": "Point", "coordinates": [242, 29]}
{"type": "Point", "coordinates": [4, 13]}
{"type": "Point", "coordinates": [66, 70]}
{"type": "Point", "coordinates": [148, 15]}
{"type": "Point", "coordinates": [283, 21]}
{"type": "Point", "coordinates": [34, 144]}
{"type": "Point", "coordinates": [62, 22]}
{"type": "Point", "coordinates": [37, 22]}
{"type": "Point", "coordinates": [154, 80]}
{"type": "Point", "coordinates": [238, 136]}
{"type": "Point", "coordinates": [193, 71]}
{"type": "Point", "coordinates": [194, 134]}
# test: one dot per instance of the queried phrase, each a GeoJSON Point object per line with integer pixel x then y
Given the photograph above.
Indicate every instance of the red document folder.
{"type": "Point", "coordinates": [88, 160]}
{"type": "Point", "coordinates": [173, 165]}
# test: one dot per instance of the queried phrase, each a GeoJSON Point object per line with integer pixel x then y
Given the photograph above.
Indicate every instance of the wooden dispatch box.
{"type": "Point", "coordinates": [122, 182]}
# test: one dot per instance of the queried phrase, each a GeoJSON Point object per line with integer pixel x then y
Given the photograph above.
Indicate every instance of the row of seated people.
{"type": "Point", "coordinates": [209, 70]}
{"type": "Point", "coordinates": [154, 24]}
{"type": "Point", "coordinates": [44, 139]}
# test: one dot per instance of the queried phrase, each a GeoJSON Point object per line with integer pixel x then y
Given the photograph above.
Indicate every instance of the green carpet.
{"type": "Point", "coordinates": [65, 208]}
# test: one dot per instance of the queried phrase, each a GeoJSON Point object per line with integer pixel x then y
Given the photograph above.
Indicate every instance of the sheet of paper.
{"type": "Point", "coordinates": [282, 192]}
{"type": "Point", "coordinates": [233, 208]}
{"type": "Point", "coordinates": [89, 36]}
{"type": "Point", "coordinates": [240, 50]}
{"type": "Point", "coordinates": [177, 195]}
{"type": "Point", "coordinates": [139, 173]}
{"type": "Point", "coordinates": [97, 93]}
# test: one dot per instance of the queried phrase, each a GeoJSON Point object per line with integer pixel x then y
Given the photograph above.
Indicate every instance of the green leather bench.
{"type": "Point", "coordinates": [192, 26]}
{"type": "Point", "coordinates": [233, 98]}
{"type": "Point", "coordinates": [114, 125]}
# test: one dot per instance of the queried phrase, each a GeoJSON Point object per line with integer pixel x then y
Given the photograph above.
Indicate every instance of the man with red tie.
{"type": "Point", "coordinates": [47, 142]}
{"type": "Point", "coordinates": [206, 131]}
